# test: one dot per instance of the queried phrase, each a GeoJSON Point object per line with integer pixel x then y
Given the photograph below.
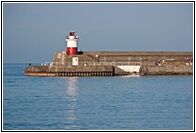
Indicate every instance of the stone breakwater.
{"type": "Point", "coordinates": [115, 63]}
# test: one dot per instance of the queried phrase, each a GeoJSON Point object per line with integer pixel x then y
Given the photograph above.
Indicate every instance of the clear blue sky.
{"type": "Point", "coordinates": [37, 30]}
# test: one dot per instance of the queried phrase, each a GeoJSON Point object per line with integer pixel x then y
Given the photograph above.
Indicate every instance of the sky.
{"type": "Point", "coordinates": [35, 31]}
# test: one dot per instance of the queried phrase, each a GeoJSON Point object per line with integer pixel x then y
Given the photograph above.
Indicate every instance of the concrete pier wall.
{"type": "Point", "coordinates": [167, 70]}
{"type": "Point", "coordinates": [69, 71]}
{"type": "Point", "coordinates": [170, 70]}
{"type": "Point", "coordinates": [111, 63]}
{"type": "Point", "coordinates": [146, 57]}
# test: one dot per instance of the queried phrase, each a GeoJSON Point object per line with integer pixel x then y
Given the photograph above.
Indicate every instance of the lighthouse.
{"type": "Point", "coordinates": [72, 46]}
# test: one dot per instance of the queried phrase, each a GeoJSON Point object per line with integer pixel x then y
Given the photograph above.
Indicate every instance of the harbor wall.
{"type": "Point", "coordinates": [167, 70]}
{"type": "Point", "coordinates": [96, 63]}
{"type": "Point", "coordinates": [69, 71]}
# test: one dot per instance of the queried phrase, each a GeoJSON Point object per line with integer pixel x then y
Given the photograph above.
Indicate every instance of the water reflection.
{"type": "Point", "coordinates": [72, 85]}
{"type": "Point", "coordinates": [71, 115]}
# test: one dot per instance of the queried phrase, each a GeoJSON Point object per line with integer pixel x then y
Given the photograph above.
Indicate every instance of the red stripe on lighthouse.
{"type": "Point", "coordinates": [72, 50]}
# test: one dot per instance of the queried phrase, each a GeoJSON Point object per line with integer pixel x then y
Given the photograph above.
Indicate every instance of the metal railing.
{"type": "Point", "coordinates": [97, 63]}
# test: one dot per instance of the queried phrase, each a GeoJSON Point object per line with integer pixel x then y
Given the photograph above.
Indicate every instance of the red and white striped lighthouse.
{"type": "Point", "coordinates": [72, 46]}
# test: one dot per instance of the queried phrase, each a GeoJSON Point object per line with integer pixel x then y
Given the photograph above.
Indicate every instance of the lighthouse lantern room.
{"type": "Point", "coordinates": [72, 46]}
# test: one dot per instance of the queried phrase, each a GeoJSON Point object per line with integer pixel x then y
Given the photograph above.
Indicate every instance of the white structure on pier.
{"type": "Point", "coordinates": [72, 46]}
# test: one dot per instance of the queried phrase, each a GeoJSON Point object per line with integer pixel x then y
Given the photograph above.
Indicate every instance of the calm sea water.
{"type": "Point", "coordinates": [96, 103]}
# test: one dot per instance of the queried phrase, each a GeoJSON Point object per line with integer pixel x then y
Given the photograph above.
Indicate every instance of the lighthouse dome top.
{"type": "Point", "coordinates": [71, 33]}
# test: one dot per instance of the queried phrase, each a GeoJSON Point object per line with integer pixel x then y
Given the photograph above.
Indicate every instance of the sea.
{"type": "Point", "coordinates": [118, 103]}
